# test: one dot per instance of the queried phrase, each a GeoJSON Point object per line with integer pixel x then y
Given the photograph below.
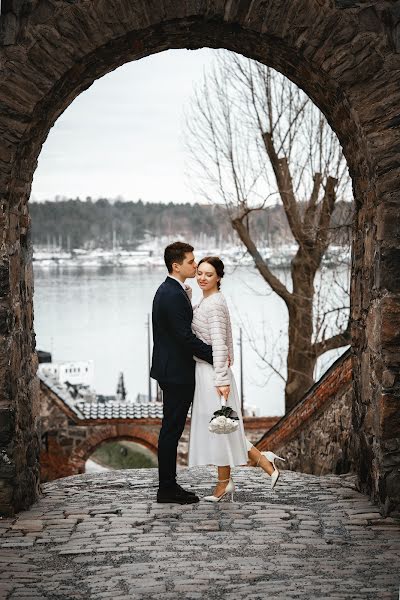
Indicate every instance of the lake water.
{"type": "Point", "coordinates": [100, 314]}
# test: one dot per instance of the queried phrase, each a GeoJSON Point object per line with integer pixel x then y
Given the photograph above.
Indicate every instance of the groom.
{"type": "Point", "coordinates": [173, 365]}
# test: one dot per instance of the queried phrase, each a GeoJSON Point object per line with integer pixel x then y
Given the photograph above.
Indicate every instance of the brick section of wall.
{"type": "Point", "coordinates": [316, 435]}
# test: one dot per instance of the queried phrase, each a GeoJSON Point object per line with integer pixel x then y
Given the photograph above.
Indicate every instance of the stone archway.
{"type": "Point", "coordinates": [111, 433]}
{"type": "Point", "coordinates": [345, 57]}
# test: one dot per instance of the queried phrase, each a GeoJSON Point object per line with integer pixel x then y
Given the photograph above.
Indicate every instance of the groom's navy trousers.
{"type": "Point", "coordinates": [174, 368]}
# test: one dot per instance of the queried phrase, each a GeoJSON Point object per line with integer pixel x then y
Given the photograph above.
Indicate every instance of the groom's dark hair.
{"type": "Point", "coordinates": [175, 253]}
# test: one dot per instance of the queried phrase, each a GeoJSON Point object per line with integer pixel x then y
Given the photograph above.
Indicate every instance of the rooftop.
{"type": "Point", "coordinates": [110, 409]}
{"type": "Point", "coordinates": [119, 410]}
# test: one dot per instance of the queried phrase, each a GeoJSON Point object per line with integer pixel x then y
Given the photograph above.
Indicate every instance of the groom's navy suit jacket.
{"type": "Point", "coordinates": [174, 342]}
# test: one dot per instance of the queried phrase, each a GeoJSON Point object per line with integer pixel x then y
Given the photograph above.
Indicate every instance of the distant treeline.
{"type": "Point", "coordinates": [75, 223]}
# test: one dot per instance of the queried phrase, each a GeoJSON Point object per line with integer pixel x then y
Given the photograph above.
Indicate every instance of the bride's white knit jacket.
{"type": "Point", "coordinates": [212, 324]}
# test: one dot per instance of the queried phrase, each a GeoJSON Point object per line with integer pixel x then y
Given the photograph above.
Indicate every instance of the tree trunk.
{"type": "Point", "coordinates": [301, 357]}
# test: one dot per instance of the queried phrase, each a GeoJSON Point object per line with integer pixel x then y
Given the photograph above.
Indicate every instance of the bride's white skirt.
{"type": "Point", "coordinates": [206, 448]}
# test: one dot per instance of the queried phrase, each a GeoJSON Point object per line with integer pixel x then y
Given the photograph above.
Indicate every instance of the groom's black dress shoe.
{"type": "Point", "coordinates": [176, 495]}
{"type": "Point", "coordinates": [184, 492]}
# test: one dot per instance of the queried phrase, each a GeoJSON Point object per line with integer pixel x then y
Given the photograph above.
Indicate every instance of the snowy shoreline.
{"type": "Point", "coordinates": [233, 256]}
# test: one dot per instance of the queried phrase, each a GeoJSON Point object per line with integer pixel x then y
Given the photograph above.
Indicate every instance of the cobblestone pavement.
{"type": "Point", "coordinates": [103, 536]}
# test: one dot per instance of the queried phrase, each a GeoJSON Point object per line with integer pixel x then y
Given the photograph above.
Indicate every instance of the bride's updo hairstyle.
{"type": "Point", "coordinates": [218, 265]}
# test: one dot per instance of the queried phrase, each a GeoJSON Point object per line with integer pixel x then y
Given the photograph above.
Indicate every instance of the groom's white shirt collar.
{"type": "Point", "coordinates": [180, 282]}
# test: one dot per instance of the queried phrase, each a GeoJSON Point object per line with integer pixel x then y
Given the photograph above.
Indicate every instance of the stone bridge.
{"type": "Point", "coordinates": [344, 54]}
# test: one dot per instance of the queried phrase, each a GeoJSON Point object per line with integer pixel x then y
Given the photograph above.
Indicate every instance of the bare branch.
{"type": "Point", "coordinates": [336, 341]}
{"type": "Point", "coordinates": [327, 206]}
{"type": "Point", "coordinates": [260, 264]}
{"type": "Point", "coordinates": [310, 211]}
{"type": "Point", "coordinates": [284, 181]}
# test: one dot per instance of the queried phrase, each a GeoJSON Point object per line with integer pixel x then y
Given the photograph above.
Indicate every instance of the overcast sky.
{"type": "Point", "coordinates": [124, 135]}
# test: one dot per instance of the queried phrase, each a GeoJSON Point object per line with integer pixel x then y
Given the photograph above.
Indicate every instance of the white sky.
{"type": "Point", "coordinates": [124, 135]}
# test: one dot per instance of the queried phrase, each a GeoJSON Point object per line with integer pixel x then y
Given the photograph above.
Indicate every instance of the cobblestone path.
{"type": "Point", "coordinates": [103, 536]}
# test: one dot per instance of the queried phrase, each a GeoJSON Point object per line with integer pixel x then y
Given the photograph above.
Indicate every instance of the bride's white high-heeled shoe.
{"type": "Point", "coordinates": [271, 456]}
{"type": "Point", "coordinates": [230, 488]}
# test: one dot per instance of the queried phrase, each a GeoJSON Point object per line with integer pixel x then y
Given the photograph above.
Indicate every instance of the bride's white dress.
{"type": "Point", "coordinates": [211, 323]}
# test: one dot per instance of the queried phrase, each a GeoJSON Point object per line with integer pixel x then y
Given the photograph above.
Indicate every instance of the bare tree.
{"type": "Point", "coordinates": [256, 139]}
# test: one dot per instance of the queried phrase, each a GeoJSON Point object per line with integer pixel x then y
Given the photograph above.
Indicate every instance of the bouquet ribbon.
{"type": "Point", "coordinates": [225, 411]}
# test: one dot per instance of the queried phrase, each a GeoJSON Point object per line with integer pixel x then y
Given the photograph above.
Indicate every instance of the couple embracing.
{"type": "Point", "coordinates": [192, 355]}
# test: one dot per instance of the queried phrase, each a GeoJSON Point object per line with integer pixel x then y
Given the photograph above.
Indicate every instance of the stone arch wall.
{"type": "Point", "coordinates": [315, 436]}
{"type": "Point", "coordinates": [101, 434]}
{"type": "Point", "coordinates": [344, 55]}
{"type": "Point", "coordinates": [67, 455]}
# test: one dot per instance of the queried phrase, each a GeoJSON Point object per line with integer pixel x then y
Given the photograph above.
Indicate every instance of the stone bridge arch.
{"type": "Point", "coordinates": [100, 435]}
{"type": "Point", "coordinates": [344, 55]}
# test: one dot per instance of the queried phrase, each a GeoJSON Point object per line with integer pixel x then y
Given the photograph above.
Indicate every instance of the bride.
{"type": "Point", "coordinates": [211, 323]}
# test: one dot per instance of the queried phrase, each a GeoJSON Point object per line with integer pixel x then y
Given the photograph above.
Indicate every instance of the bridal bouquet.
{"type": "Point", "coordinates": [224, 420]}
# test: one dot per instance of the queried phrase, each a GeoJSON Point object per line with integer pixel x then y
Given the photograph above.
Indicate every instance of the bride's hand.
{"type": "Point", "coordinates": [223, 390]}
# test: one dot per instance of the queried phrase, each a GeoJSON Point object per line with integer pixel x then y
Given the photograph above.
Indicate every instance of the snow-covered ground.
{"type": "Point", "coordinates": [92, 466]}
{"type": "Point", "coordinates": [146, 256]}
